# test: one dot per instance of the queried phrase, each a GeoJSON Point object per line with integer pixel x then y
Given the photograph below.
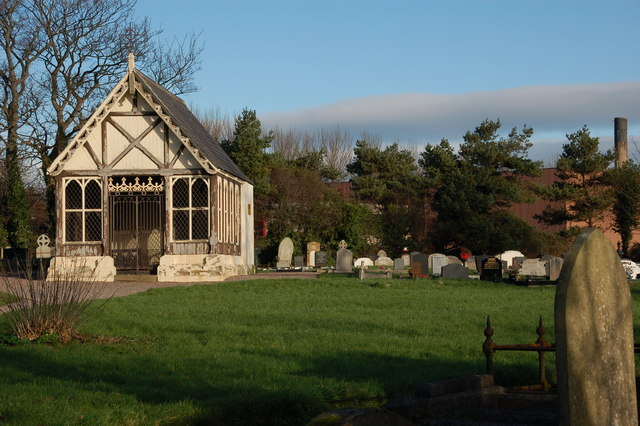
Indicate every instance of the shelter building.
{"type": "Point", "coordinates": [144, 188]}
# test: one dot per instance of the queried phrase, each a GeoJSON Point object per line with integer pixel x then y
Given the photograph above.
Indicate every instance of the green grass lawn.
{"type": "Point", "coordinates": [269, 351]}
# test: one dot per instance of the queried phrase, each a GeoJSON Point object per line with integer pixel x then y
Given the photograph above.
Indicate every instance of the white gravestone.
{"type": "Point", "coordinates": [438, 261]}
{"type": "Point", "coordinates": [533, 268]}
{"type": "Point", "coordinates": [285, 253]}
{"type": "Point", "coordinates": [383, 260]}
{"type": "Point", "coordinates": [631, 268]}
{"type": "Point", "coordinates": [362, 262]}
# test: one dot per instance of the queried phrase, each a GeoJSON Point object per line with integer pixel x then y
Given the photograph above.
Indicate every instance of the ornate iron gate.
{"type": "Point", "coordinates": [136, 229]}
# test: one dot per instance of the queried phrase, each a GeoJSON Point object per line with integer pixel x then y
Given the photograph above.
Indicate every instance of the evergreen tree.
{"type": "Point", "coordinates": [624, 182]}
{"type": "Point", "coordinates": [471, 189]}
{"type": "Point", "coordinates": [579, 193]}
{"type": "Point", "coordinates": [388, 179]}
{"type": "Point", "coordinates": [248, 150]}
{"type": "Point", "coordinates": [18, 229]}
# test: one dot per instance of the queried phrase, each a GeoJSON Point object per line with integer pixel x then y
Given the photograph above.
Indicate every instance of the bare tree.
{"type": "Point", "coordinates": [63, 56]}
{"type": "Point", "coordinates": [287, 143]}
{"type": "Point", "coordinates": [218, 125]}
{"type": "Point", "coordinates": [374, 140]}
{"type": "Point", "coordinates": [338, 145]}
{"type": "Point", "coordinates": [22, 44]}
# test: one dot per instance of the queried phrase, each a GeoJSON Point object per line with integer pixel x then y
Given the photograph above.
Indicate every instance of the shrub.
{"type": "Point", "coordinates": [37, 307]}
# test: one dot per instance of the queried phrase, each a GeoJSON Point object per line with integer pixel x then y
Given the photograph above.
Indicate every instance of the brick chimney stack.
{"type": "Point", "coordinates": [620, 144]}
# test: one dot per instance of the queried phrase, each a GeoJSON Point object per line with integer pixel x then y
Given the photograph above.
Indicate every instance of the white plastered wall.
{"type": "Point", "coordinates": [246, 224]}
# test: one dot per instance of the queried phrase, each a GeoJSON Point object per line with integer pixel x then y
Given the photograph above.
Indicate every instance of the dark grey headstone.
{"type": "Point", "coordinates": [344, 260]}
{"type": "Point", "coordinates": [321, 258]}
{"type": "Point", "coordinates": [455, 271]}
{"type": "Point", "coordinates": [419, 264]}
{"type": "Point", "coordinates": [491, 269]}
{"type": "Point", "coordinates": [398, 264]}
{"type": "Point", "coordinates": [298, 261]}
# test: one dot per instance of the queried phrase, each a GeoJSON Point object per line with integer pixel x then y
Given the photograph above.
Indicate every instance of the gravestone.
{"type": "Point", "coordinates": [509, 255]}
{"type": "Point", "coordinates": [256, 255]}
{"type": "Point", "coordinates": [344, 258]}
{"type": "Point", "coordinates": [383, 260]}
{"type": "Point", "coordinates": [406, 258]}
{"type": "Point", "coordinates": [321, 258]}
{"type": "Point", "coordinates": [517, 262]}
{"type": "Point", "coordinates": [419, 265]}
{"type": "Point", "coordinates": [437, 262]}
{"type": "Point", "coordinates": [455, 271]}
{"type": "Point", "coordinates": [298, 261]}
{"type": "Point", "coordinates": [312, 248]}
{"type": "Point", "coordinates": [285, 251]}
{"type": "Point", "coordinates": [631, 268]}
{"type": "Point", "coordinates": [453, 259]}
{"type": "Point", "coordinates": [533, 268]}
{"type": "Point", "coordinates": [594, 336]}
{"type": "Point", "coordinates": [362, 262]}
{"type": "Point", "coordinates": [491, 269]}
{"type": "Point", "coordinates": [44, 250]}
{"type": "Point", "coordinates": [470, 263]}
{"type": "Point", "coordinates": [398, 264]}
{"type": "Point", "coordinates": [431, 259]}
{"type": "Point", "coordinates": [553, 267]}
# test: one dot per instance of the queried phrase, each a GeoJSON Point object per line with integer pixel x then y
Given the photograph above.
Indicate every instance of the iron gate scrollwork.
{"type": "Point", "coordinates": [136, 225]}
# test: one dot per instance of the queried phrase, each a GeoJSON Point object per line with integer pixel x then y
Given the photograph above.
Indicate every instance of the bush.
{"type": "Point", "coordinates": [36, 307]}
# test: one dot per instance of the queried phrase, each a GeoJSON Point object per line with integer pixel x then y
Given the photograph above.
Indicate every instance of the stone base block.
{"type": "Point", "coordinates": [82, 268]}
{"type": "Point", "coordinates": [200, 267]}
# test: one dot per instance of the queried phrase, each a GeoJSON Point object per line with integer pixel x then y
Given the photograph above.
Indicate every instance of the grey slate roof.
{"type": "Point", "coordinates": [191, 126]}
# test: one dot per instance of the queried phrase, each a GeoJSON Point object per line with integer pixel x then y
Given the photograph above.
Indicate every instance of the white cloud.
{"type": "Point", "coordinates": [552, 111]}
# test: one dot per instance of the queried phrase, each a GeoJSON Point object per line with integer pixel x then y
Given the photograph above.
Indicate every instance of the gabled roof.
{"type": "Point", "coordinates": [188, 126]}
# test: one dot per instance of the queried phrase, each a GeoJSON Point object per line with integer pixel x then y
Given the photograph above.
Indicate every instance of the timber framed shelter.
{"type": "Point", "coordinates": [144, 188]}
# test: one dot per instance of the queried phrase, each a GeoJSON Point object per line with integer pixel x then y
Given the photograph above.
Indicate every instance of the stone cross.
{"type": "Point", "coordinates": [594, 336]}
{"type": "Point", "coordinates": [342, 244]}
{"type": "Point", "coordinates": [44, 250]}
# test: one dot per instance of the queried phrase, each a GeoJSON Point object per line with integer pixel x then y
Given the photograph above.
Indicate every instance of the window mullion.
{"type": "Point", "coordinates": [83, 184]}
{"type": "Point", "coordinates": [190, 208]}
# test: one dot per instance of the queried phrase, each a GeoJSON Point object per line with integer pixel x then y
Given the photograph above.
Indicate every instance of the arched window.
{"type": "Point", "coordinates": [190, 208]}
{"type": "Point", "coordinates": [82, 210]}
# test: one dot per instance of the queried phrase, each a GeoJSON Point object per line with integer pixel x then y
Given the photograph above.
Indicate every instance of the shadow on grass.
{"type": "Point", "coordinates": [237, 395]}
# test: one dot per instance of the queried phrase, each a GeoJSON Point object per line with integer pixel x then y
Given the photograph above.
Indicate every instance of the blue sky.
{"type": "Point", "coordinates": [417, 71]}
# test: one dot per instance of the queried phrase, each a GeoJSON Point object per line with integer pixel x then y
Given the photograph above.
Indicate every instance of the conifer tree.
{"type": "Point", "coordinates": [579, 196]}
{"type": "Point", "coordinates": [248, 150]}
{"type": "Point", "coordinates": [473, 188]}
{"type": "Point", "coordinates": [624, 182]}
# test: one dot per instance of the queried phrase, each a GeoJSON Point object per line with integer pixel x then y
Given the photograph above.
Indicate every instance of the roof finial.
{"type": "Point", "coordinates": [132, 78]}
